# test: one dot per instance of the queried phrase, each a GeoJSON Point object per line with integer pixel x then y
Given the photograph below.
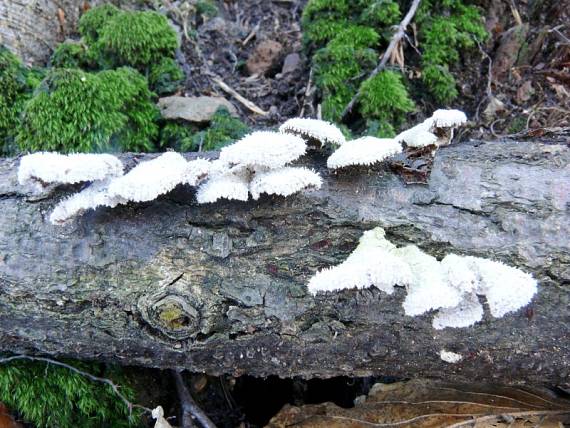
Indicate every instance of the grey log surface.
{"type": "Point", "coordinates": [221, 288]}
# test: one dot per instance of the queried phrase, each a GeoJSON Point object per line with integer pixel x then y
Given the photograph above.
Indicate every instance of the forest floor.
{"type": "Point", "coordinates": [516, 86]}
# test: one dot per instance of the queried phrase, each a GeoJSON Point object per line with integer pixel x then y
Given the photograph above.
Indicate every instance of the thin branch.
{"type": "Point", "coordinates": [393, 45]}
{"type": "Point", "coordinates": [89, 376]}
{"type": "Point", "coordinates": [190, 409]}
{"type": "Point", "coordinates": [247, 103]}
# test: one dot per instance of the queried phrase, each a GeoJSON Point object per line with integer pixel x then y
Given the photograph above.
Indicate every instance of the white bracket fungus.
{"type": "Point", "coordinates": [228, 185]}
{"type": "Point", "coordinates": [264, 149]}
{"type": "Point", "coordinates": [284, 181]}
{"type": "Point", "coordinates": [363, 151]}
{"type": "Point", "coordinates": [452, 286]}
{"type": "Point", "coordinates": [45, 167]}
{"type": "Point", "coordinates": [318, 132]}
{"type": "Point", "coordinates": [436, 130]}
{"type": "Point", "coordinates": [150, 179]}
{"type": "Point", "coordinates": [96, 195]}
{"type": "Point", "coordinates": [450, 357]}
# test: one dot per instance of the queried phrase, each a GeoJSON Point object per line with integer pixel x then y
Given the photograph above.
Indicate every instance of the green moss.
{"type": "Point", "coordinates": [224, 129]}
{"type": "Point", "coordinates": [70, 55]}
{"type": "Point", "coordinates": [142, 40]}
{"type": "Point", "coordinates": [178, 136]}
{"type": "Point", "coordinates": [93, 22]}
{"type": "Point", "coordinates": [338, 66]}
{"type": "Point", "coordinates": [50, 396]}
{"type": "Point", "coordinates": [206, 8]}
{"type": "Point", "coordinates": [385, 98]}
{"type": "Point", "coordinates": [16, 85]}
{"type": "Point", "coordinates": [135, 39]}
{"type": "Point", "coordinates": [339, 35]}
{"type": "Point", "coordinates": [165, 76]}
{"type": "Point", "coordinates": [445, 28]}
{"type": "Point", "coordinates": [78, 111]}
{"type": "Point", "coordinates": [380, 14]}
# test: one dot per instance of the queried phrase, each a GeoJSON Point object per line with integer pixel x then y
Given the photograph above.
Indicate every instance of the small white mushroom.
{"type": "Point", "coordinates": [429, 288]}
{"type": "Point", "coordinates": [264, 149]}
{"type": "Point", "coordinates": [149, 179]}
{"type": "Point", "coordinates": [450, 357]}
{"type": "Point", "coordinates": [314, 130]}
{"type": "Point", "coordinates": [46, 167]}
{"type": "Point", "coordinates": [466, 313]}
{"type": "Point", "coordinates": [225, 185]}
{"type": "Point", "coordinates": [435, 130]}
{"type": "Point", "coordinates": [418, 136]}
{"type": "Point", "coordinates": [196, 171]}
{"type": "Point", "coordinates": [448, 118]}
{"type": "Point", "coordinates": [506, 288]}
{"type": "Point", "coordinates": [96, 195]}
{"type": "Point", "coordinates": [284, 181]}
{"type": "Point", "coordinates": [363, 151]}
{"type": "Point", "coordinates": [371, 263]}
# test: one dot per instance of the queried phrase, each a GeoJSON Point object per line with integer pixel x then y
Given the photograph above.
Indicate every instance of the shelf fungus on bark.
{"type": "Point", "coordinates": [363, 151]}
{"type": "Point", "coordinates": [43, 168]}
{"type": "Point", "coordinates": [436, 130]}
{"type": "Point", "coordinates": [452, 287]}
{"type": "Point", "coordinates": [316, 132]}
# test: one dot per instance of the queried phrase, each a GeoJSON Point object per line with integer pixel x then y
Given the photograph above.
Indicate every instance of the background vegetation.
{"type": "Point", "coordinates": [346, 38]}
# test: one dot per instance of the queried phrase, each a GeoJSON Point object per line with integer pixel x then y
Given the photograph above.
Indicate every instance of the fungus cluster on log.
{"type": "Point", "coordinates": [452, 286]}
{"type": "Point", "coordinates": [261, 163]}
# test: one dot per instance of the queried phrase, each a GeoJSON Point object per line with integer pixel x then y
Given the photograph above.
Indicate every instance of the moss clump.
{"type": "Point", "coordinates": [135, 39]}
{"type": "Point", "coordinates": [93, 23]}
{"type": "Point", "coordinates": [348, 38]}
{"type": "Point", "coordinates": [50, 396]}
{"type": "Point", "coordinates": [385, 99]}
{"type": "Point", "coordinates": [142, 40]}
{"type": "Point", "coordinates": [78, 111]}
{"type": "Point", "coordinates": [165, 76]}
{"type": "Point", "coordinates": [446, 27]}
{"type": "Point", "coordinates": [338, 66]}
{"type": "Point", "coordinates": [70, 55]}
{"type": "Point", "coordinates": [224, 129]}
{"type": "Point", "coordinates": [16, 85]}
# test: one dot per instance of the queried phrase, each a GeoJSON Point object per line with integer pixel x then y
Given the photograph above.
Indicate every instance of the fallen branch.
{"type": "Point", "coordinates": [247, 103]}
{"type": "Point", "coordinates": [387, 55]}
{"type": "Point", "coordinates": [190, 410]}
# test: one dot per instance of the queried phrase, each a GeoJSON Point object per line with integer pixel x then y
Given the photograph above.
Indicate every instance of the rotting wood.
{"type": "Point", "coordinates": [104, 287]}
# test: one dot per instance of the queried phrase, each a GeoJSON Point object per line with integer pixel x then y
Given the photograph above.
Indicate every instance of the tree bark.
{"type": "Point", "coordinates": [221, 288]}
{"type": "Point", "coordinates": [33, 28]}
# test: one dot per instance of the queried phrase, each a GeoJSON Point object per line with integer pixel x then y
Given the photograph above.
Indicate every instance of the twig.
{"type": "Point", "coordinates": [89, 376]}
{"type": "Point", "coordinates": [488, 89]}
{"type": "Point", "coordinates": [251, 35]}
{"type": "Point", "coordinates": [393, 44]}
{"type": "Point", "coordinates": [251, 106]}
{"type": "Point", "coordinates": [515, 12]}
{"type": "Point", "coordinates": [190, 409]}
{"type": "Point", "coordinates": [307, 92]}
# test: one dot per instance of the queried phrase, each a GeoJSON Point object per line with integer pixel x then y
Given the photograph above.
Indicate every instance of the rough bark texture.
{"type": "Point", "coordinates": [32, 28]}
{"type": "Point", "coordinates": [221, 288]}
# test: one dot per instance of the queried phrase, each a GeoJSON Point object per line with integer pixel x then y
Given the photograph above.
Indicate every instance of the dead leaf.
{"type": "Point", "coordinates": [427, 404]}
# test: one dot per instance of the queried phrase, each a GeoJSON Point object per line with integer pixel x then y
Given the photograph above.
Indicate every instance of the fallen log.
{"type": "Point", "coordinates": [221, 288]}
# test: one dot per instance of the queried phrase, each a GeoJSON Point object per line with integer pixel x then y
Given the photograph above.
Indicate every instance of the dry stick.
{"type": "Point", "coordinates": [189, 407]}
{"type": "Point", "coordinates": [89, 376]}
{"type": "Point", "coordinates": [251, 106]}
{"type": "Point", "coordinates": [393, 44]}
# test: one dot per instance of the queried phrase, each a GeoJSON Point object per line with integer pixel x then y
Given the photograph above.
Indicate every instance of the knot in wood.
{"type": "Point", "coordinates": [175, 316]}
